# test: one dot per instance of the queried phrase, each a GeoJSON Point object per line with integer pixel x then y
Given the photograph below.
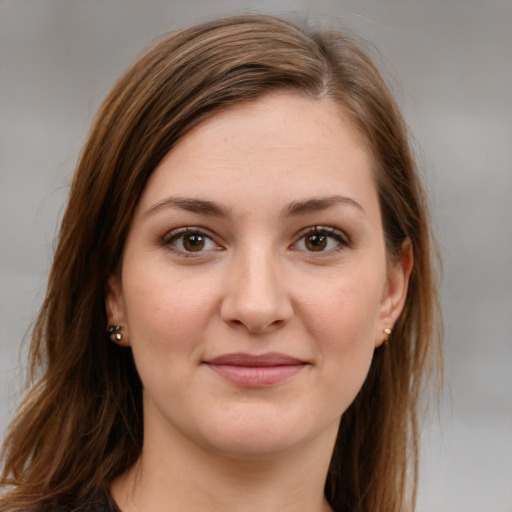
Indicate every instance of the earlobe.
{"type": "Point", "coordinates": [116, 315]}
{"type": "Point", "coordinates": [395, 293]}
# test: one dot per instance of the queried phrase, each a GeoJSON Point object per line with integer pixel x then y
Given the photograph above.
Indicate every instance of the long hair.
{"type": "Point", "coordinates": [80, 424]}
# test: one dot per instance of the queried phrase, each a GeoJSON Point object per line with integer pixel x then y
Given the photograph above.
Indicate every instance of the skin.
{"type": "Point", "coordinates": [275, 168]}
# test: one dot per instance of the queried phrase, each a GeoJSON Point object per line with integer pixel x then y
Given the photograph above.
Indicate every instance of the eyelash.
{"type": "Point", "coordinates": [341, 239]}
{"type": "Point", "coordinates": [177, 234]}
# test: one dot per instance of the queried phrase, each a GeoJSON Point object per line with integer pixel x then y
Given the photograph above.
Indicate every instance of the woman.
{"type": "Point", "coordinates": [242, 307]}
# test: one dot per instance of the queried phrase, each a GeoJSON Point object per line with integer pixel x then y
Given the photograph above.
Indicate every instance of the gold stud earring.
{"type": "Point", "coordinates": [387, 332]}
{"type": "Point", "coordinates": [115, 334]}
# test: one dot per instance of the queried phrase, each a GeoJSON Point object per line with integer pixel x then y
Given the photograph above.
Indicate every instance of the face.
{"type": "Point", "coordinates": [255, 286]}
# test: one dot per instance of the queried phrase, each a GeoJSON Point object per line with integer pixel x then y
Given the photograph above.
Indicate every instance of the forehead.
{"type": "Point", "coordinates": [282, 145]}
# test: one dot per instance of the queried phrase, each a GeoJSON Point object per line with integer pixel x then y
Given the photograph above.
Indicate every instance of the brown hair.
{"type": "Point", "coordinates": [80, 423]}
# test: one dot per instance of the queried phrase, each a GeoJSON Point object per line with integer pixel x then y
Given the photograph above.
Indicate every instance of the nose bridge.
{"type": "Point", "coordinates": [257, 295]}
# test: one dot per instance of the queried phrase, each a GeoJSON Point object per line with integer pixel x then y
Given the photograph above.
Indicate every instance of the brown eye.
{"type": "Point", "coordinates": [189, 242]}
{"type": "Point", "coordinates": [316, 242]}
{"type": "Point", "coordinates": [193, 242]}
{"type": "Point", "coordinates": [323, 240]}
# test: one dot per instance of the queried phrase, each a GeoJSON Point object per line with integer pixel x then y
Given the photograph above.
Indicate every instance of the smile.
{"type": "Point", "coordinates": [256, 371]}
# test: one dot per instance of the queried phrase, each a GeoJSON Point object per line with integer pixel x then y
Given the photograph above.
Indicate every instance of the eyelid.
{"type": "Point", "coordinates": [341, 237]}
{"type": "Point", "coordinates": [175, 234]}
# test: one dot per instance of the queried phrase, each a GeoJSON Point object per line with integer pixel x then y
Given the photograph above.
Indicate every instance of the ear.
{"type": "Point", "coordinates": [115, 307]}
{"type": "Point", "coordinates": [395, 292]}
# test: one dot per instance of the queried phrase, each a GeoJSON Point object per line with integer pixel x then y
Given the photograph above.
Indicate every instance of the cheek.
{"type": "Point", "coordinates": [344, 311]}
{"type": "Point", "coordinates": [343, 319]}
{"type": "Point", "coordinates": [167, 314]}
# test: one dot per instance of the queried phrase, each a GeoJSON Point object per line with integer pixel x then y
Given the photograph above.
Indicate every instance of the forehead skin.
{"type": "Point", "coordinates": [256, 137]}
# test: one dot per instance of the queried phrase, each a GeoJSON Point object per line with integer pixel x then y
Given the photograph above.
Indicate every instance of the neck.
{"type": "Point", "coordinates": [180, 475]}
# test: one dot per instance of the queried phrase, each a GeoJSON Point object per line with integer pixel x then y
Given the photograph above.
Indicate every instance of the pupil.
{"type": "Point", "coordinates": [193, 242]}
{"type": "Point", "coordinates": [316, 242]}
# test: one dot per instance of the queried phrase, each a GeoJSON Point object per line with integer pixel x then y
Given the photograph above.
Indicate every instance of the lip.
{"type": "Point", "coordinates": [256, 371]}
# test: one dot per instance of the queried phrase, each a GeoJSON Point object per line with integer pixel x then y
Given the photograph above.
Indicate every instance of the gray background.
{"type": "Point", "coordinates": [450, 63]}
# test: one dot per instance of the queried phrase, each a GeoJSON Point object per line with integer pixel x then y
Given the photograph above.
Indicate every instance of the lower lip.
{"type": "Point", "coordinates": [256, 376]}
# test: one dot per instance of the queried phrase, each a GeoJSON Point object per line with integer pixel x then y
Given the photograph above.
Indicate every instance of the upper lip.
{"type": "Point", "coordinates": [242, 359]}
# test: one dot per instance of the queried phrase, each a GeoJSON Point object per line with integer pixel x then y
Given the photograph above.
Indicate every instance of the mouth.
{"type": "Point", "coordinates": [253, 371]}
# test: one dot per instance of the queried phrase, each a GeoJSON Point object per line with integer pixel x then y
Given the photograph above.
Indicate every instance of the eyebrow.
{"type": "Point", "coordinates": [316, 204]}
{"type": "Point", "coordinates": [205, 207]}
{"type": "Point", "coordinates": [201, 206]}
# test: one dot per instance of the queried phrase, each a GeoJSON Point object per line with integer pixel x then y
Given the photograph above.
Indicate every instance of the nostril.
{"type": "Point", "coordinates": [256, 327]}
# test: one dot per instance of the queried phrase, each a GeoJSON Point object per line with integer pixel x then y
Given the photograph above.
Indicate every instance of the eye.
{"type": "Point", "coordinates": [189, 241]}
{"type": "Point", "coordinates": [321, 239]}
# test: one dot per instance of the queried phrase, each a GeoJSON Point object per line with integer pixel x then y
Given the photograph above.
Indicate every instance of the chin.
{"type": "Point", "coordinates": [255, 435]}
{"type": "Point", "coordinates": [253, 444]}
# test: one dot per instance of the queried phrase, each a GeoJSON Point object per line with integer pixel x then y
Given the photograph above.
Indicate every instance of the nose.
{"type": "Point", "coordinates": [256, 295]}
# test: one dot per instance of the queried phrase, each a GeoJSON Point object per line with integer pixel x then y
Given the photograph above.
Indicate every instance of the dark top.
{"type": "Point", "coordinates": [101, 502]}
